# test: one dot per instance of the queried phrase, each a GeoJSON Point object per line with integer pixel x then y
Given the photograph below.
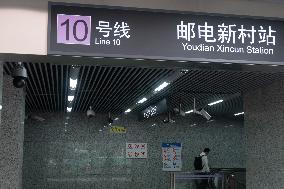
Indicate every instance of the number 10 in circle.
{"type": "Point", "coordinates": [73, 29]}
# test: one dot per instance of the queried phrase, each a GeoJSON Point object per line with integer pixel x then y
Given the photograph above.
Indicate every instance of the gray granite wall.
{"type": "Point", "coordinates": [264, 109]}
{"type": "Point", "coordinates": [77, 155]}
{"type": "Point", "coordinates": [1, 83]}
{"type": "Point", "coordinates": [11, 136]}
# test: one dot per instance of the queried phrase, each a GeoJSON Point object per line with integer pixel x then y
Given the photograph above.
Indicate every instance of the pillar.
{"type": "Point", "coordinates": [264, 128]}
{"type": "Point", "coordinates": [11, 133]}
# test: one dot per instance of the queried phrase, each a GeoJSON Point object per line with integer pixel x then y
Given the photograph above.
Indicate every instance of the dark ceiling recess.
{"type": "Point", "coordinates": [114, 89]}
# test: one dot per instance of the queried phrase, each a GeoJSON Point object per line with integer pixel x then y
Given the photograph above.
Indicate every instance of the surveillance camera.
{"type": "Point", "coordinates": [20, 76]}
{"type": "Point", "coordinates": [90, 113]}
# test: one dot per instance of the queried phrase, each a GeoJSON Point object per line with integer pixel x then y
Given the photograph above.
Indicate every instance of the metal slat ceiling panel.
{"type": "Point", "coordinates": [114, 89]}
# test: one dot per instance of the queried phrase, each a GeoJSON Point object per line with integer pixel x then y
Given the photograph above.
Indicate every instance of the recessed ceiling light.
{"type": "Point", "coordinates": [116, 118]}
{"type": "Point", "coordinates": [76, 56]}
{"type": "Point", "coordinates": [188, 112]}
{"type": "Point", "coordinates": [142, 100]}
{"type": "Point", "coordinates": [160, 60]}
{"type": "Point", "coordinates": [128, 110]}
{"type": "Point", "coordinates": [69, 109]}
{"type": "Point", "coordinates": [73, 84]}
{"type": "Point", "coordinates": [240, 113]}
{"type": "Point", "coordinates": [70, 98]}
{"type": "Point", "coordinates": [216, 102]}
{"type": "Point", "coordinates": [57, 55]}
{"type": "Point", "coordinates": [162, 86]}
{"type": "Point", "coordinates": [119, 58]}
{"type": "Point", "coordinates": [227, 63]}
{"type": "Point", "coordinates": [274, 65]}
{"type": "Point", "coordinates": [139, 59]}
{"type": "Point", "coordinates": [184, 71]}
{"type": "Point", "coordinates": [250, 64]}
{"type": "Point", "coordinates": [100, 130]}
{"type": "Point", "coordinates": [182, 61]}
{"type": "Point", "coordinates": [97, 57]}
{"type": "Point", "coordinates": [204, 62]}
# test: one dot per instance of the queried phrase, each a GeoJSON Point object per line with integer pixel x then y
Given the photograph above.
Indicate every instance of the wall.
{"type": "Point", "coordinates": [24, 23]}
{"type": "Point", "coordinates": [78, 156]}
{"type": "Point", "coordinates": [11, 135]}
{"type": "Point", "coordinates": [264, 137]}
{"type": "Point", "coordinates": [1, 84]}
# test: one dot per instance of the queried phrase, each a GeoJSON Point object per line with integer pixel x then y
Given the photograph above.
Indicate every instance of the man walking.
{"type": "Point", "coordinates": [205, 165]}
{"type": "Point", "coordinates": [202, 167]}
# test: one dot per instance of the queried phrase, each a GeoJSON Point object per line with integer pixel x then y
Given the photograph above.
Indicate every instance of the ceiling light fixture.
{"type": "Point", "coordinates": [162, 86]}
{"type": "Point", "coordinates": [240, 113]}
{"type": "Point", "coordinates": [216, 102]}
{"type": "Point", "coordinates": [142, 100]}
{"type": "Point", "coordinates": [97, 57]}
{"type": "Point", "coordinates": [73, 84]}
{"type": "Point", "coordinates": [69, 109]}
{"type": "Point", "coordinates": [70, 98]}
{"type": "Point", "coordinates": [128, 110]}
{"type": "Point", "coordinates": [188, 112]}
{"type": "Point", "coordinates": [116, 119]}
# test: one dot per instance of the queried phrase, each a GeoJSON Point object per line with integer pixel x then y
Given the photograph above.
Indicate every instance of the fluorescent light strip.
{"type": "Point", "coordinates": [142, 100]}
{"type": "Point", "coordinates": [128, 110]}
{"type": "Point", "coordinates": [240, 113]}
{"type": "Point", "coordinates": [162, 86]}
{"type": "Point", "coordinates": [188, 112]}
{"type": "Point", "coordinates": [73, 83]}
{"type": "Point", "coordinates": [70, 98]}
{"type": "Point", "coordinates": [216, 102]}
{"type": "Point", "coordinates": [97, 57]}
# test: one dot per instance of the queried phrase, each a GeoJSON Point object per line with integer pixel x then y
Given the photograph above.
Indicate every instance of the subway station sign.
{"type": "Point", "coordinates": [82, 30]}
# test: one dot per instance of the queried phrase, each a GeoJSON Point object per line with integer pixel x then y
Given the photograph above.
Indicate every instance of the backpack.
{"type": "Point", "coordinates": [198, 163]}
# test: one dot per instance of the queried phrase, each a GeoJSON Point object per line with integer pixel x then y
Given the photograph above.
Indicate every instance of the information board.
{"type": "Point", "coordinates": [171, 153]}
{"type": "Point", "coordinates": [136, 150]}
{"type": "Point", "coordinates": [155, 34]}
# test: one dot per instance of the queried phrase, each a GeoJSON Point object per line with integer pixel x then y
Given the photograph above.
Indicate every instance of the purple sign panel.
{"type": "Point", "coordinates": [73, 29]}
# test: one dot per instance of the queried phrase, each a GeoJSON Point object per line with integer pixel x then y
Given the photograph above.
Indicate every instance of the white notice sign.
{"type": "Point", "coordinates": [136, 150]}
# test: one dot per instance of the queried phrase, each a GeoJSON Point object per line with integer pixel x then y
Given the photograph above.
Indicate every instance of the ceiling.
{"type": "Point", "coordinates": [114, 89]}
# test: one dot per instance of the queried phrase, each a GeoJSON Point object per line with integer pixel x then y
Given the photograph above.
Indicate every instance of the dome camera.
{"type": "Point", "coordinates": [90, 112]}
{"type": "Point", "coordinates": [20, 76]}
